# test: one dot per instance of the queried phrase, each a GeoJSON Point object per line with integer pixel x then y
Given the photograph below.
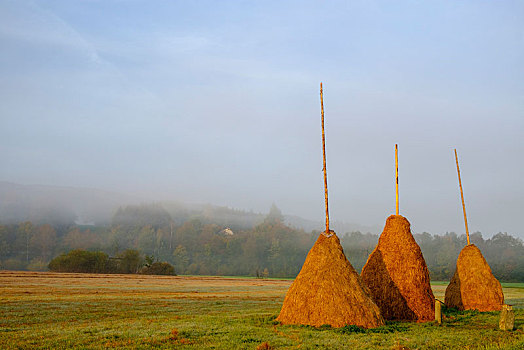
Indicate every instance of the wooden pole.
{"type": "Point", "coordinates": [507, 318]}
{"type": "Point", "coordinates": [438, 312]}
{"type": "Point", "coordinates": [396, 173]}
{"type": "Point", "coordinates": [324, 160]}
{"type": "Point", "coordinates": [462, 197]}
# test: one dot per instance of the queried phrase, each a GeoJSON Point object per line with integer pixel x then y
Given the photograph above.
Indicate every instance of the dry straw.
{"type": "Point", "coordinates": [328, 290]}
{"type": "Point", "coordinates": [396, 272]}
{"type": "Point", "coordinates": [473, 286]}
{"type": "Point", "coordinates": [397, 275]}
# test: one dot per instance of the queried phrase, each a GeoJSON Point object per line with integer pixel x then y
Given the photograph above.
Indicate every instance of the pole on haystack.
{"type": "Point", "coordinates": [396, 173]}
{"type": "Point", "coordinates": [324, 160]}
{"type": "Point", "coordinates": [462, 197]}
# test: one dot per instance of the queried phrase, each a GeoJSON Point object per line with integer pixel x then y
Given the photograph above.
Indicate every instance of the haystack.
{"type": "Point", "coordinates": [473, 286]}
{"type": "Point", "coordinates": [397, 275]}
{"type": "Point", "coordinates": [328, 290]}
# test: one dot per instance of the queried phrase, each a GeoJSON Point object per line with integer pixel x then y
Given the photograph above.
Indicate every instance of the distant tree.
{"type": "Point", "coordinates": [25, 232]}
{"type": "Point", "coordinates": [4, 244]}
{"type": "Point", "coordinates": [158, 268]}
{"type": "Point", "coordinates": [505, 255]}
{"type": "Point", "coordinates": [149, 260]}
{"type": "Point", "coordinates": [146, 241]}
{"type": "Point", "coordinates": [275, 215]}
{"type": "Point", "coordinates": [130, 261]}
{"type": "Point", "coordinates": [120, 239]}
{"type": "Point", "coordinates": [357, 247]}
{"type": "Point", "coordinates": [274, 252]}
{"type": "Point", "coordinates": [44, 241]}
{"type": "Point", "coordinates": [76, 239]}
{"type": "Point", "coordinates": [181, 258]}
{"type": "Point", "coordinates": [188, 234]}
{"type": "Point", "coordinates": [79, 260]}
{"type": "Point", "coordinates": [476, 238]}
{"type": "Point", "coordinates": [164, 242]}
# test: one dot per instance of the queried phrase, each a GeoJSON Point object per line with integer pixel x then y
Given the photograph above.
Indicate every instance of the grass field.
{"type": "Point", "coordinates": [52, 311]}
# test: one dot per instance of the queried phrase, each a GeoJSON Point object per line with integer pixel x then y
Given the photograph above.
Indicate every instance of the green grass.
{"type": "Point", "coordinates": [50, 311]}
{"type": "Point", "coordinates": [504, 284]}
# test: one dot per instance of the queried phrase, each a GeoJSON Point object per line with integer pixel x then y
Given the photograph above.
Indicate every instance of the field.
{"type": "Point", "coordinates": [51, 310]}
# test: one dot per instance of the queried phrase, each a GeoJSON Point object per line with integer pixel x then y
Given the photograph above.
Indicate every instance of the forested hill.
{"type": "Point", "coordinates": [205, 245]}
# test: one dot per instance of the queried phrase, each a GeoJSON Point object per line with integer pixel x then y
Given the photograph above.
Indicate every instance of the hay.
{"type": "Point", "coordinates": [473, 286]}
{"type": "Point", "coordinates": [328, 290]}
{"type": "Point", "coordinates": [397, 275]}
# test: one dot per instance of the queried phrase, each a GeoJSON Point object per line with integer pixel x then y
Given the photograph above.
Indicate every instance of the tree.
{"type": "Point", "coordinates": [43, 241]}
{"type": "Point", "coordinates": [4, 244]}
{"type": "Point", "coordinates": [79, 260]}
{"type": "Point", "coordinates": [147, 240]}
{"type": "Point", "coordinates": [275, 215]}
{"type": "Point", "coordinates": [188, 233]}
{"type": "Point", "coordinates": [130, 261]}
{"type": "Point", "coordinates": [76, 239]}
{"type": "Point", "coordinates": [24, 234]}
{"type": "Point", "coordinates": [163, 247]}
{"type": "Point", "coordinates": [181, 258]}
{"type": "Point", "coordinates": [158, 268]}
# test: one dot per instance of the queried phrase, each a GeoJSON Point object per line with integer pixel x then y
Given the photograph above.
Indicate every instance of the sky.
{"type": "Point", "coordinates": [218, 102]}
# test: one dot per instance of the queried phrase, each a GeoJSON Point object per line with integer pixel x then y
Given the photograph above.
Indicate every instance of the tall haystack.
{"type": "Point", "coordinates": [328, 290]}
{"type": "Point", "coordinates": [473, 286]}
{"type": "Point", "coordinates": [397, 275]}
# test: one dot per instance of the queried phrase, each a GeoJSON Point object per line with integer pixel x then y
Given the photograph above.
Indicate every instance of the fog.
{"type": "Point", "coordinates": [218, 102]}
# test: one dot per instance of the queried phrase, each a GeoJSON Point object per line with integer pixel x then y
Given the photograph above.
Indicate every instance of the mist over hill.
{"type": "Point", "coordinates": [59, 205]}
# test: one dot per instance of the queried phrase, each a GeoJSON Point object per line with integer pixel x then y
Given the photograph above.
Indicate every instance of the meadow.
{"type": "Point", "coordinates": [40, 310]}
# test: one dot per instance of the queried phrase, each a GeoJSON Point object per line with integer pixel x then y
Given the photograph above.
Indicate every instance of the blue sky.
{"type": "Point", "coordinates": [218, 101]}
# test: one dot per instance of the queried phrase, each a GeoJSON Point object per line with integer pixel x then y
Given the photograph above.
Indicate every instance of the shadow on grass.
{"type": "Point", "coordinates": [389, 327]}
{"type": "Point", "coordinates": [519, 323]}
{"type": "Point", "coordinates": [259, 320]}
{"type": "Point", "coordinates": [452, 318]}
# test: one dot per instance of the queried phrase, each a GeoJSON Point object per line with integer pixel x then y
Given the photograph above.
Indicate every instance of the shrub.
{"type": "Point", "coordinates": [158, 268]}
{"type": "Point", "coordinates": [130, 261]}
{"type": "Point", "coordinates": [80, 261]}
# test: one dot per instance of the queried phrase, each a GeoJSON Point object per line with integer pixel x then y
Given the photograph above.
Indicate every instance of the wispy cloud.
{"type": "Point", "coordinates": [26, 22]}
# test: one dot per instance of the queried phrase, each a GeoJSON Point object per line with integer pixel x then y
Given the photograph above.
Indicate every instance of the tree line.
{"type": "Point", "coordinates": [129, 261]}
{"type": "Point", "coordinates": [204, 247]}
